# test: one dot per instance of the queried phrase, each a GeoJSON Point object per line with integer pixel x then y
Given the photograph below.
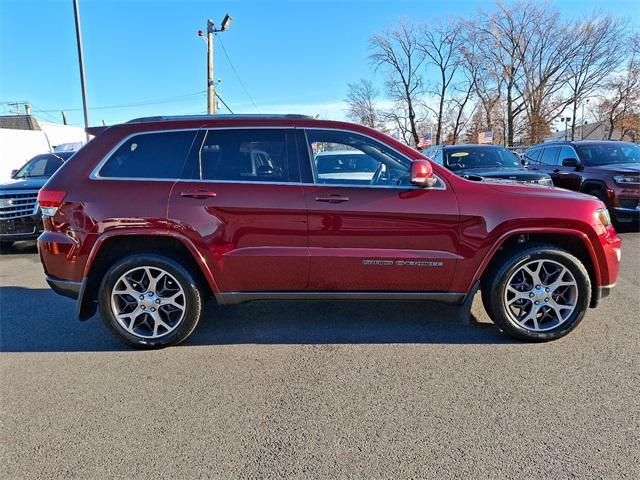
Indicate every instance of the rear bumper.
{"type": "Point", "coordinates": [66, 288]}
{"type": "Point", "coordinates": [599, 293]}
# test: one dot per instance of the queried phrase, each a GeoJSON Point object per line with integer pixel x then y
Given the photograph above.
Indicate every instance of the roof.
{"type": "Point", "coordinates": [170, 118]}
{"type": "Point", "coordinates": [19, 122]}
{"type": "Point", "coordinates": [581, 142]}
{"type": "Point", "coordinates": [464, 145]}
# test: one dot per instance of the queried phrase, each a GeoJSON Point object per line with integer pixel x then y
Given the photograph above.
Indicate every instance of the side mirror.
{"type": "Point", "coordinates": [13, 172]}
{"type": "Point", "coordinates": [524, 162]}
{"type": "Point", "coordinates": [422, 174]}
{"type": "Point", "coordinates": [265, 170]}
{"type": "Point", "coordinates": [571, 162]}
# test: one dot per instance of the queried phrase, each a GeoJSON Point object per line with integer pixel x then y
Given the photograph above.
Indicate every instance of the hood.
{"type": "Point", "coordinates": [35, 183]}
{"type": "Point", "coordinates": [539, 190]}
{"type": "Point", "coordinates": [633, 168]}
{"type": "Point", "coordinates": [506, 173]}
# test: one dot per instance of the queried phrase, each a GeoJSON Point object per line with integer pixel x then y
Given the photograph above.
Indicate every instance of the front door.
{"type": "Point", "coordinates": [241, 203]}
{"type": "Point", "coordinates": [369, 229]}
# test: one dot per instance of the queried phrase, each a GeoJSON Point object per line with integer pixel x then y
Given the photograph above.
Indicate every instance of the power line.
{"type": "Point", "coordinates": [177, 98]}
{"type": "Point", "coordinates": [237, 74]}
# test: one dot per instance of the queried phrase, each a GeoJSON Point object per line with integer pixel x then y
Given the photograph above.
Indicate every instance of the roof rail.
{"type": "Point", "coordinates": [161, 118]}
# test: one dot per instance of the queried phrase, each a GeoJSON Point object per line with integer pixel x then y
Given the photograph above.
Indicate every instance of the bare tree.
{"type": "Point", "coordinates": [396, 52]}
{"type": "Point", "coordinates": [621, 106]}
{"type": "Point", "coordinates": [361, 103]}
{"type": "Point", "coordinates": [441, 43]}
{"type": "Point", "coordinates": [600, 41]}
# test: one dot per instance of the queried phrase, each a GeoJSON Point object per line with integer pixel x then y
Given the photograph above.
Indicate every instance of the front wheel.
{"type": "Point", "coordinates": [539, 294]}
{"type": "Point", "coordinates": [149, 301]}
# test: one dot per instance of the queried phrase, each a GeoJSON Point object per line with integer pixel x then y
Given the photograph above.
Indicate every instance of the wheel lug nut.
{"type": "Point", "coordinates": [532, 295]}
{"type": "Point", "coordinates": [537, 302]}
{"type": "Point", "coordinates": [151, 294]}
{"type": "Point", "coordinates": [538, 287]}
{"type": "Point", "coordinates": [153, 309]}
{"type": "Point", "coordinates": [157, 300]}
{"type": "Point", "coordinates": [141, 297]}
{"type": "Point", "coordinates": [143, 307]}
{"type": "Point", "coordinates": [546, 299]}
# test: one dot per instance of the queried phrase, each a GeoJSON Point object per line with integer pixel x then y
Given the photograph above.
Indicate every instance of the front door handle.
{"type": "Point", "coordinates": [201, 194]}
{"type": "Point", "coordinates": [333, 199]}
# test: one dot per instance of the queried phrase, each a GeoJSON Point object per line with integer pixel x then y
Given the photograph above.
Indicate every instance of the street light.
{"type": "Point", "coordinates": [226, 23]}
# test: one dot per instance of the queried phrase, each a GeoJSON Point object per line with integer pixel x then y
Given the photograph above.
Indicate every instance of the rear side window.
{"type": "Point", "coordinates": [249, 155]}
{"type": "Point", "coordinates": [550, 156]}
{"type": "Point", "coordinates": [568, 152]}
{"type": "Point", "coordinates": [150, 155]}
{"type": "Point", "coordinates": [533, 155]}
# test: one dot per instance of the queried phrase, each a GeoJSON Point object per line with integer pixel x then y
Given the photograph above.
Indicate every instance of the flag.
{"type": "Point", "coordinates": [425, 141]}
{"type": "Point", "coordinates": [485, 137]}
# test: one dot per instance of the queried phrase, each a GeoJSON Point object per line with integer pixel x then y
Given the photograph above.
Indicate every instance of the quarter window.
{"type": "Point", "coordinates": [348, 158]}
{"type": "Point", "coordinates": [250, 155]}
{"type": "Point", "coordinates": [151, 155]}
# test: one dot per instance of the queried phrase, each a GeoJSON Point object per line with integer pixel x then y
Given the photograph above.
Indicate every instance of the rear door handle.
{"type": "Point", "coordinates": [333, 199]}
{"type": "Point", "coordinates": [201, 194]}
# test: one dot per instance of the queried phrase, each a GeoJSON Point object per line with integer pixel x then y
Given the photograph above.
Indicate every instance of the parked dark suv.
{"type": "Point", "coordinates": [154, 216]}
{"type": "Point", "coordinates": [20, 217]}
{"type": "Point", "coordinates": [608, 170]}
{"type": "Point", "coordinates": [485, 161]}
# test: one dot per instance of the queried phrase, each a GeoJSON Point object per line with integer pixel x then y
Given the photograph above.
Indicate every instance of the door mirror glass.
{"type": "Point", "coordinates": [570, 162]}
{"type": "Point", "coordinates": [422, 174]}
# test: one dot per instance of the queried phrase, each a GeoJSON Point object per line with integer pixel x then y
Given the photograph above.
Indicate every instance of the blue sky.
{"type": "Point", "coordinates": [295, 56]}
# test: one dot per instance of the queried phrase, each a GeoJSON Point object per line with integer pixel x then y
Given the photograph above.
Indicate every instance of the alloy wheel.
{"type": "Point", "coordinates": [148, 302]}
{"type": "Point", "coordinates": [541, 295]}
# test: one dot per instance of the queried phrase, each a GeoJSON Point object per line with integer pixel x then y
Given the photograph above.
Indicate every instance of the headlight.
{"type": "Point", "coordinates": [602, 215]}
{"type": "Point", "coordinates": [543, 181]}
{"type": "Point", "coordinates": [627, 179]}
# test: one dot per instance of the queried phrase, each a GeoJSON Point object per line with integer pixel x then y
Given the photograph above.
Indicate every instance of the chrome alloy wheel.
{"type": "Point", "coordinates": [148, 302]}
{"type": "Point", "coordinates": [541, 295]}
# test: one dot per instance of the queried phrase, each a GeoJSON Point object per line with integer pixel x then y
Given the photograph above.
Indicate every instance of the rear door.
{"type": "Point", "coordinates": [241, 203]}
{"type": "Point", "coordinates": [548, 161]}
{"type": "Point", "coordinates": [369, 229]}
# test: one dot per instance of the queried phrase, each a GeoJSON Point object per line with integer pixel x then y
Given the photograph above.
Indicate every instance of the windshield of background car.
{"type": "Point", "coordinates": [606, 154]}
{"type": "Point", "coordinates": [480, 157]}
{"type": "Point", "coordinates": [40, 166]}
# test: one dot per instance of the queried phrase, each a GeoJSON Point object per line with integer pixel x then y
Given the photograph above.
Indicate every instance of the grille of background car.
{"type": "Point", "coordinates": [17, 204]}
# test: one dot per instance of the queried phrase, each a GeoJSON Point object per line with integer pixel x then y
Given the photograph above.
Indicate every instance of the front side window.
{"type": "Point", "coordinates": [350, 159]}
{"type": "Point", "coordinates": [550, 156]}
{"type": "Point", "coordinates": [250, 155]}
{"type": "Point", "coordinates": [568, 152]}
{"type": "Point", "coordinates": [158, 155]}
{"type": "Point", "coordinates": [533, 155]}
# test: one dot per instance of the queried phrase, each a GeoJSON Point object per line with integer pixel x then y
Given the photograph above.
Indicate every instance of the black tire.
{"type": "Point", "coordinates": [600, 195]}
{"type": "Point", "coordinates": [5, 246]}
{"type": "Point", "coordinates": [495, 284]}
{"type": "Point", "coordinates": [192, 300]}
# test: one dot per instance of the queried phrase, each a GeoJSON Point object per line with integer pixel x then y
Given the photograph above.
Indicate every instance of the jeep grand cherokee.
{"type": "Point", "coordinates": [154, 216]}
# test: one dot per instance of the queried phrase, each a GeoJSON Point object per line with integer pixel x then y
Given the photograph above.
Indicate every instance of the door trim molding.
{"type": "Point", "coordinates": [231, 298]}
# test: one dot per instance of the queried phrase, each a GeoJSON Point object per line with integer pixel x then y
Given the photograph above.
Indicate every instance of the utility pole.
{"type": "Point", "coordinates": [211, 29]}
{"type": "Point", "coordinates": [64, 117]}
{"type": "Point", "coordinates": [211, 91]}
{"type": "Point", "coordinates": [85, 109]}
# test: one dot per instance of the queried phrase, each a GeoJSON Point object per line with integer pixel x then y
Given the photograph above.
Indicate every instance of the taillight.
{"type": "Point", "coordinates": [50, 200]}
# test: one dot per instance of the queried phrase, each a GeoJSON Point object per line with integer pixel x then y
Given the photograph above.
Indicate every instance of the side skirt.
{"type": "Point", "coordinates": [230, 298]}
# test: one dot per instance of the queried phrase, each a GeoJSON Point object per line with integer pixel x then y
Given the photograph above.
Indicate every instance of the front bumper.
{"type": "Point", "coordinates": [626, 215]}
{"type": "Point", "coordinates": [22, 228]}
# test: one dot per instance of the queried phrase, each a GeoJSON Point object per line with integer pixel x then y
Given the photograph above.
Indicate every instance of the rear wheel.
{"type": "Point", "coordinates": [149, 301]}
{"type": "Point", "coordinates": [537, 295]}
{"type": "Point", "coordinates": [5, 246]}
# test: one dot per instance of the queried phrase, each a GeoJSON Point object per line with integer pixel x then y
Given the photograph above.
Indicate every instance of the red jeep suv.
{"type": "Point", "coordinates": [154, 216]}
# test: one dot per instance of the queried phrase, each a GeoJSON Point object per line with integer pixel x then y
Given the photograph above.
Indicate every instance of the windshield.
{"type": "Point", "coordinates": [40, 166]}
{"type": "Point", "coordinates": [605, 154]}
{"type": "Point", "coordinates": [480, 157]}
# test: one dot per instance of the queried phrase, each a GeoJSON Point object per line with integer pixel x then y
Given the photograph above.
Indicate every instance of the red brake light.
{"type": "Point", "coordinates": [50, 198]}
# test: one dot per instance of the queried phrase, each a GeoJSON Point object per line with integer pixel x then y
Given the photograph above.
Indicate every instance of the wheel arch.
{"type": "Point", "coordinates": [112, 246]}
{"type": "Point", "coordinates": [590, 185]}
{"type": "Point", "coordinates": [573, 241]}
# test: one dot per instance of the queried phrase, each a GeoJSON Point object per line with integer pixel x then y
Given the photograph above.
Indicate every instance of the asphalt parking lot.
{"type": "Point", "coordinates": [306, 390]}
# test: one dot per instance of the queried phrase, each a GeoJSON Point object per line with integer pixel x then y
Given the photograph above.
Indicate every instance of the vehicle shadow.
{"type": "Point", "coordinates": [20, 248]}
{"type": "Point", "coordinates": [37, 320]}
